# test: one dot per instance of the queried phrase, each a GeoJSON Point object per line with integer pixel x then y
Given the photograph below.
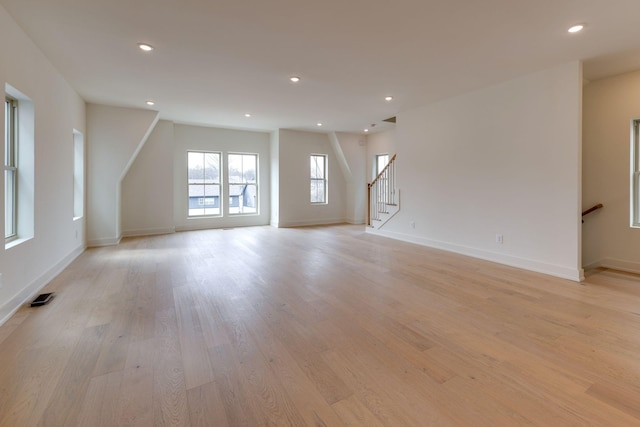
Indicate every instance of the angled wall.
{"type": "Point", "coordinates": [353, 149]}
{"type": "Point", "coordinates": [115, 135]}
{"type": "Point", "coordinates": [147, 188]}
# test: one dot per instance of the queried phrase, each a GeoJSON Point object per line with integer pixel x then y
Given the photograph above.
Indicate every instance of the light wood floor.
{"type": "Point", "coordinates": [323, 326]}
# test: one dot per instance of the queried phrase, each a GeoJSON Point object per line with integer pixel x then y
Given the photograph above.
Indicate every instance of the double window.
{"type": "Point", "coordinates": [205, 195]}
{"type": "Point", "coordinates": [10, 168]}
{"type": "Point", "coordinates": [318, 178]}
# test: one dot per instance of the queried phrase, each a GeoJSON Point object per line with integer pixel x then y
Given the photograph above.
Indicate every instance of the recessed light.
{"type": "Point", "coordinates": [366, 130]}
{"type": "Point", "coordinates": [388, 98]}
{"type": "Point", "coordinates": [319, 124]}
{"type": "Point", "coordinates": [576, 28]}
{"type": "Point", "coordinates": [247, 115]}
{"type": "Point", "coordinates": [151, 103]}
{"type": "Point", "coordinates": [294, 79]}
{"type": "Point", "coordinates": [146, 47]}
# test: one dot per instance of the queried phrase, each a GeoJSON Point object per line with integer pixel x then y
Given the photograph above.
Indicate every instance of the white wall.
{"type": "Point", "coordinates": [609, 106]}
{"type": "Point", "coordinates": [274, 147]}
{"type": "Point", "coordinates": [354, 149]}
{"type": "Point", "coordinates": [383, 142]}
{"type": "Point", "coordinates": [147, 188]}
{"type": "Point", "coordinates": [502, 160]}
{"type": "Point", "coordinates": [225, 141]}
{"type": "Point", "coordinates": [295, 208]}
{"type": "Point", "coordinates": [115, 135]}
{"type": "Point", "coordinates": [57, 238]}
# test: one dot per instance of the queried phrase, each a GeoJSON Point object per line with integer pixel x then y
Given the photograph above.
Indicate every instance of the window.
{"type": "Point", "coordinates": [381, 161]}
{"type": "Point", "coordinates": [19, 167]}
{"type": "Point", "coordinates": [10, 168]}
{"type": "Point", "coordinates": [635, 173]}
{"type": "Point", "coordinates": [78, 174]}
{"type": "Point", "coordinates": [204, 183]}
{"type": "Point", "coordinates": [243, 184]}
{"type": "Point", "coordinates": [318, 178]}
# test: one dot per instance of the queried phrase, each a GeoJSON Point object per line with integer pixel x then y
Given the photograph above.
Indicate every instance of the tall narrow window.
{"type": "Point", "coordinates": [10, 168]}
{"type": "Point", "coordinates": [204, 183]}
{"type": "Point", "coordinates": [381, 162]}
{"type": "Point", "coordinates": [635, 173]}
{"type": "Point", "coordinates": [78, 175]}
{"type": "Point", "coordinates": [318, 178]}
{"type": "Point", "coordinates": [19, 167]}
{"type": "Point", "coordinates": [243, 184]}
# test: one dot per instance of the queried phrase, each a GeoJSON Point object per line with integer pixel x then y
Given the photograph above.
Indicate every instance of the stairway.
{"type": "Point", "coordinates": [384, 199]}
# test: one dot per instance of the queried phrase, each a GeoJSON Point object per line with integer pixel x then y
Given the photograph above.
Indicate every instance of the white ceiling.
{"type": "Point", "coordinates": [216, 60]}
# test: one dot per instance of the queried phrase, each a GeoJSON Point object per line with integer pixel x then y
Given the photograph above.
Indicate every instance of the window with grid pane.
{"type": "Point", "coordinates": [318, 176]}
{"type": "Point", "coordinates": [10, 168]}
{"type": "Point", "coordinates": [243, 184]}
{"type": "Point", "coordinates": [204, 183]}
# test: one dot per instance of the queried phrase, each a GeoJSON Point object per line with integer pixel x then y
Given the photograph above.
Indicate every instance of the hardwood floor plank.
{"type": "Point", "coordinates": [64, 408]}
{"type": "Point", "coordinates": [100, 404]}
{"type": "Point", "coordinates": [197, 370]}
{"type": "Point", "coordinates": [170, 406]}
{"type": "Point", "coordinates": [231, 387]}
{"type": "Point", "coordinates": [206, 407]}
{"type": "Point", "coordinates": [266, 394]}
{"type": "Point", "coordinates": [135, 406]}
{"type": "Point", "coordinates": [318, 326]}
{"type": "Point", "coordinates": [354, 414]}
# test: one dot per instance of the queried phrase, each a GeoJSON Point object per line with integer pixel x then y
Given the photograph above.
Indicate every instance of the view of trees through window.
{"type": "Point", "coordinates": [204, 183]}
{"type": "Point", "coordinates": [318, 169]}
{"type": "Point", "coordinates": [205, 180]}
{"type": "Point", "coordinates": [243, 184]}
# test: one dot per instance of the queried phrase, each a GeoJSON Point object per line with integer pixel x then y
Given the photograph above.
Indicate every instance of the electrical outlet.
{"type": "Point", "coordinates": [499, 238]}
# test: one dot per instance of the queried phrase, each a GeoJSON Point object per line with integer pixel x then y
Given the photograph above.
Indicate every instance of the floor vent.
{"type": "Point", "coordinates": [42, 299]}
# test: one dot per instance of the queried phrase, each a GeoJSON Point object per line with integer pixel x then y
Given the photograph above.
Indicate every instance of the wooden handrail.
{"type": "Point", "coordinates": [381, 192]}
{"type": "Point", "coordinates": [368, 204]}
{"type": "Point", "coordinates": [384, 170]}
{"type": "Point", "coordinates": [593, 208]}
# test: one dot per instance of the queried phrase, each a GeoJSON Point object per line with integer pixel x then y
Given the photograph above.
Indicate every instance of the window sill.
{"type": "Point", "coordinates": [15, 243]}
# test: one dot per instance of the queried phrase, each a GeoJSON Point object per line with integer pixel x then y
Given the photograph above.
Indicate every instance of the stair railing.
{"type": "Point", "coordinates": [381, 192]}
{"type": "Point", "coordinates": [592, 209]}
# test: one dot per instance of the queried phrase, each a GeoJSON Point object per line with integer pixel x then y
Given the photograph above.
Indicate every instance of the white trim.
{"type": "Point", "coordinates": [526, 264]}
{"type": "Point", "coordinates": [148, 232]}
{"type": "Point", "coordinates": [311, 222]}
{"type": "Point", "coordinates": [30, 291]}
{"type": "Point", "coordinates": [358, 221]}
{"type": "Point", "coordinates": [109, 241]}
{"type": "Point", "coordinates": [15, 242]}
{"type": "Point", "coordinates": [616, 264]}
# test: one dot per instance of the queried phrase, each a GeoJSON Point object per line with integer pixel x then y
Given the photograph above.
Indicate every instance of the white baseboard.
{"type": "Point", "coordinates": [356, 221]}
{"type": "Point", "coordinates": [616, 264]}
{"type": "Point", "coordinates": [311, 222]}
{"type": "Point", "coordinates": [31, 290]}
{"type": "Point", "coordinates": [96, 243]}
{"type": "Point", "coordinates": [148, 232]}
{"type": "Point", "coordinates": [512, 261]}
